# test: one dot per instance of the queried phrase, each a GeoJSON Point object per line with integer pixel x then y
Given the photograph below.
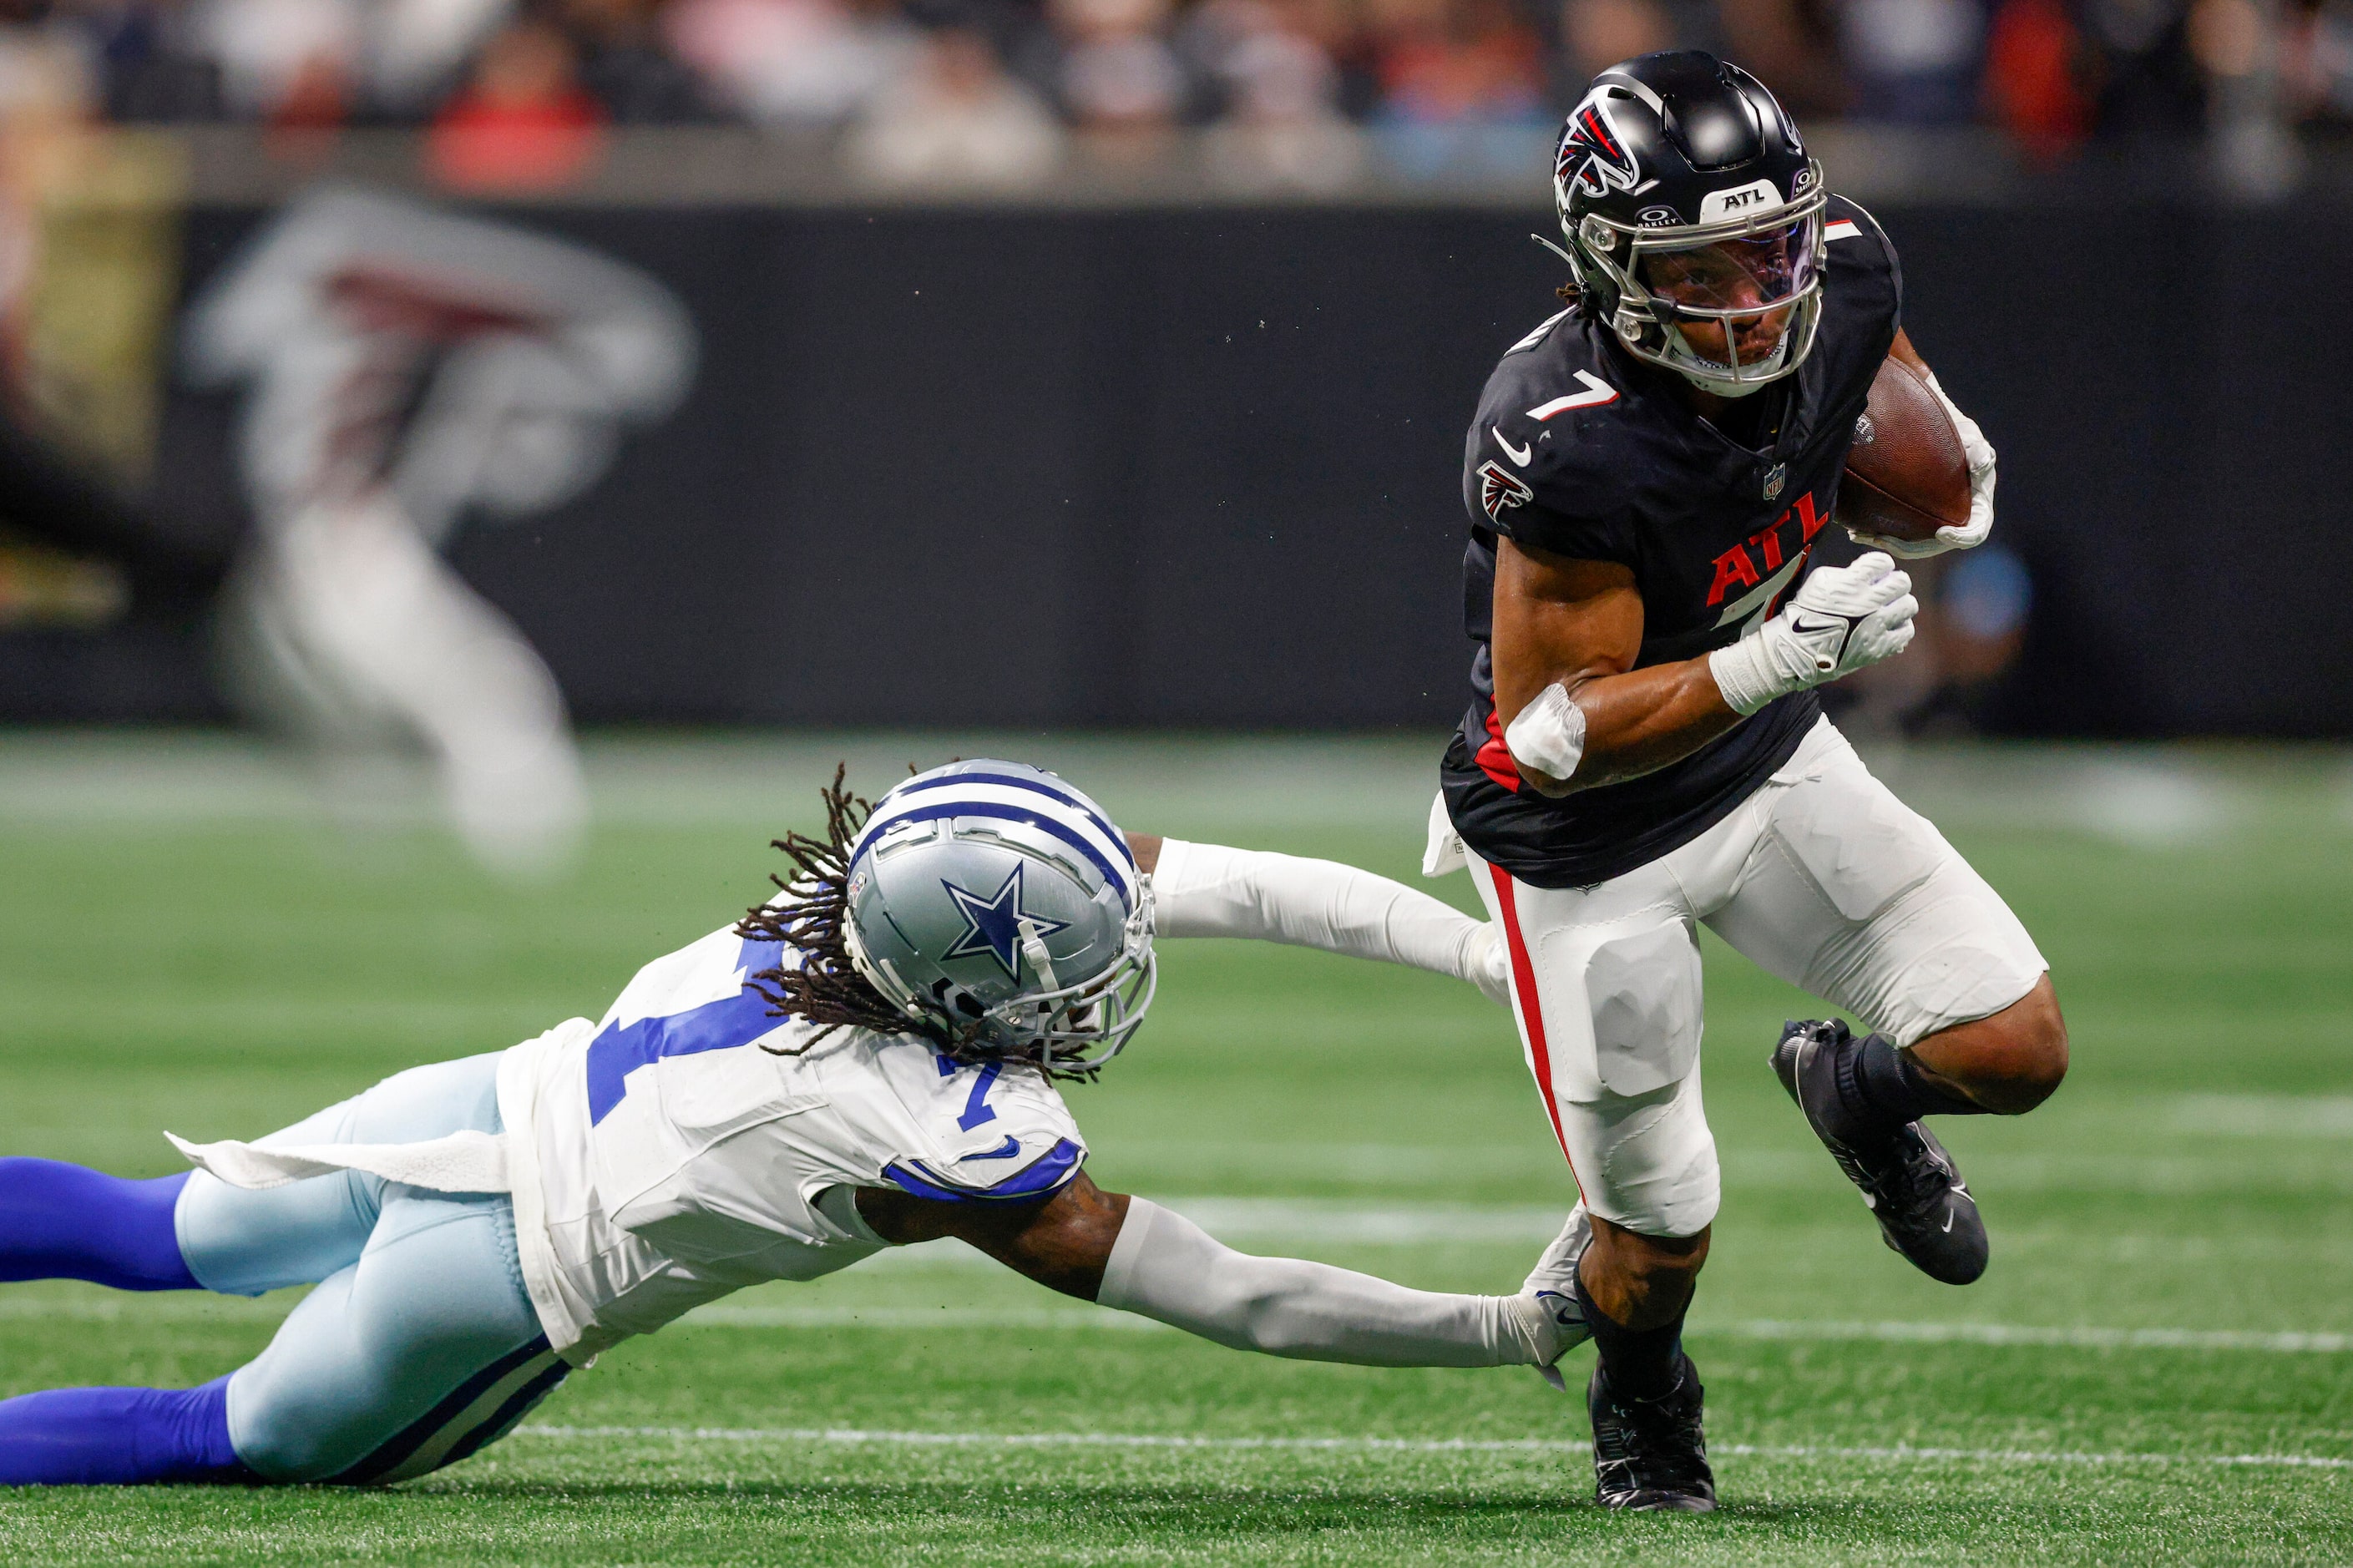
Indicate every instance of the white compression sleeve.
{"type": "Point", "coordinates": [1167, 1268]}
{"type": "Point", "coordinates": [1206, 889]}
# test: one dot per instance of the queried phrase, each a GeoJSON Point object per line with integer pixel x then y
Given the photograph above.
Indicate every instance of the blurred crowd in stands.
{"type": "Point", "coordinates": [518, 92]}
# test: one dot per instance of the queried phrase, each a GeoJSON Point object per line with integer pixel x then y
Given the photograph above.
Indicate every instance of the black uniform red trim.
{"type": "Point", "coordinates": [1716, 533]}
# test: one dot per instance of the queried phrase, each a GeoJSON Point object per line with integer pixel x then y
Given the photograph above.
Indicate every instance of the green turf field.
{"type": "Point", "coordinates": [2158, 1367]}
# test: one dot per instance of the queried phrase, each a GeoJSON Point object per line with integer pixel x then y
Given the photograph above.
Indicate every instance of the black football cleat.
{"type": "Point", "coordinates": [1649, 1456]}
{"type": "Point", "coordinates": [1915, 1190]}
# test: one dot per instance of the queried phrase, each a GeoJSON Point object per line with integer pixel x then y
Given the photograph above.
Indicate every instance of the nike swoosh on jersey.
{"type": "Point", "coordinates": [1005, 1151]}
{"type": "Point", "coordinates": [1519, 455]}
{"type": "Point", "coordinates": [1597, 393]}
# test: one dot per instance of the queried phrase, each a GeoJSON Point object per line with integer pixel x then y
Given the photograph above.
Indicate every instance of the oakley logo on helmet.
{"type": "Point", "coordinates": [1658, 217]}
{"type": "Point", "coordinates": [1500, 490]}
{"type": "Point", "coordinates": [1593, 156]}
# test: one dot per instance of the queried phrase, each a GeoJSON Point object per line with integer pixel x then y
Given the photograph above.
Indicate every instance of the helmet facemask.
{"type": "Point", "coordinates": [1730, 306]}
{"type": "Point", "coordinates": [1071, 1029]}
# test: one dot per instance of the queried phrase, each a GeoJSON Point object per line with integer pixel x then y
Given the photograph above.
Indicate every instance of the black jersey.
{"type": "Point", "coordinates": [1581, 449]}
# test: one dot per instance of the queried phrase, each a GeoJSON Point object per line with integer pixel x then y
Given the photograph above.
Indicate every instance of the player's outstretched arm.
{"type": "Point", "coordinates": [1208, 890]}
{"type": "Point", "coordinates": [1576, 713]}
{"type": "Point", "coordinates": [1134, 1255]}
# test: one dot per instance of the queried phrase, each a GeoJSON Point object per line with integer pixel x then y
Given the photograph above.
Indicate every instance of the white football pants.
{"type": "Point", "coordinates": [1822, 876]}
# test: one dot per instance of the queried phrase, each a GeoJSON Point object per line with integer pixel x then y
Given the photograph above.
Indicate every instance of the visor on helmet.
{"type": "Point", "coordinates": [1730, 305]}
{"type": "Point", "coordinates": [1732, 302]}
{"type": "Point", "coordinates": [1745, 276]}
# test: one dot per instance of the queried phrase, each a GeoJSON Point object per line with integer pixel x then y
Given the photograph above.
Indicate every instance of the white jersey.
{"type": "Point", "coordinates": [671, 1152]}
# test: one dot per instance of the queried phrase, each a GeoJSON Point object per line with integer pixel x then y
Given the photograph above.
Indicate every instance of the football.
{"type": "Point", "coordinates": [1906, 475]}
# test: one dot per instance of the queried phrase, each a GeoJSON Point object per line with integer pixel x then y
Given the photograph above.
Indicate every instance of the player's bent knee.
{"type": "Point", "coordinates": [1641, 1281]}
{"type": "Point", "coordinates": [1632, 1252]}
{"type": "Point", "coordinates": [2032, 1052]}
{"type": "Point", "coordinates": [2009, 1063]}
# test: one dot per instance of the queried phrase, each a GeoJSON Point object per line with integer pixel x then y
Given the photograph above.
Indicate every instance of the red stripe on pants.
{"type": "Point", "coordinates": [1524, 983]}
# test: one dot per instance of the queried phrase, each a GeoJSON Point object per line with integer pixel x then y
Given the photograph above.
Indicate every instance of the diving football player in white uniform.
{"type": "Point", "coordinates": [868, 1061]}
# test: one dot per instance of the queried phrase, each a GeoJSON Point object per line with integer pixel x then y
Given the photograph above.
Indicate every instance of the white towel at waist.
{"type": "Point", "coordinates": [467, 1161]}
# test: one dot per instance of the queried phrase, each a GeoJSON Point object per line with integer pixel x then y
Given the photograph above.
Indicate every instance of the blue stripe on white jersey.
{"type": "Point", "coordinates": [1042, 1175]}
{"type": "Point", "coordinates": [620, 1049]}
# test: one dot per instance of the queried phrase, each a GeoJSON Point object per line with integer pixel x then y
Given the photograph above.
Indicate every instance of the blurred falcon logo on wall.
{"type": "Point", "coordinates": [407, 368]}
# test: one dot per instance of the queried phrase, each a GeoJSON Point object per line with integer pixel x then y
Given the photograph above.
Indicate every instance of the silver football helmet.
{"type": "Point", "coordinates": [995, 904]}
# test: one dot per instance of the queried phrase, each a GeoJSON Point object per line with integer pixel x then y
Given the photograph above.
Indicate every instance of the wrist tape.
{"type": "Point", "coordinates": [1745, 674]}
{"type": "Point", "coordinates": [1548, 735]}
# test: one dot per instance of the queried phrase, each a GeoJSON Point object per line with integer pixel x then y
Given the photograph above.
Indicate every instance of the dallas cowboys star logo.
{"type": "Point", "coordinates": [993, 925]}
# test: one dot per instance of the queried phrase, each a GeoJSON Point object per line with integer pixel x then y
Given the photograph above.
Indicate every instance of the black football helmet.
{"type": "Point", "coordinates": [1694, 218]}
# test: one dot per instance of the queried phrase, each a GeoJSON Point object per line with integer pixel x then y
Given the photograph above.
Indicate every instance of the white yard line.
{"type": "Point", "coordinates": [2153, 797]}
{"type": "Point", "coordinates": [744, 1315]}
{"type": "Point", "coordinates": [2288, 1342]}
{"type": "Point", "coordinates": [854, 1436]}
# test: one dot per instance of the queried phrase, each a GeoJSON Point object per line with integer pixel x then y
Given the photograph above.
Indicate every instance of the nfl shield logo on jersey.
{"type": "Point", "coordinates": [1500, 489]}
{"type": "Point", "coordinates": [1774, 478]}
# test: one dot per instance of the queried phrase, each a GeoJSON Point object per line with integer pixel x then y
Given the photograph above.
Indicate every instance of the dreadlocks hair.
{"type": "Point", "coordinates": [820, 983]}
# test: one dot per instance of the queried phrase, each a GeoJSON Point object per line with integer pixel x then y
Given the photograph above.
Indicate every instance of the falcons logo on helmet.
{"type": "Point", "coordinates": [1593, 157]}
{"type": "Point", "coordinates": [1500, 490]}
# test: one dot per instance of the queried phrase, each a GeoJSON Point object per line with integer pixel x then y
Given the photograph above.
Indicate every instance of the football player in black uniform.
{"type": "Point", "coordinates": [1647, 475]}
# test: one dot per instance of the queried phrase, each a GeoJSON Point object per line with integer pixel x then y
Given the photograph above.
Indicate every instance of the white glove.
{"type": "Point", "coordinates": [1840, 619]}
{"type": "Point", "coordinates": [1490, 962]}
{"type": "Point", "coordinates": [1970, 535]}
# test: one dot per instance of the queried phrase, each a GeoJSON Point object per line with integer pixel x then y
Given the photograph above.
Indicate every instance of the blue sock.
{"type": "Point", "coordinates": [68, 1222]}
{"type": "Point", "coordinates": [118, 1436]}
